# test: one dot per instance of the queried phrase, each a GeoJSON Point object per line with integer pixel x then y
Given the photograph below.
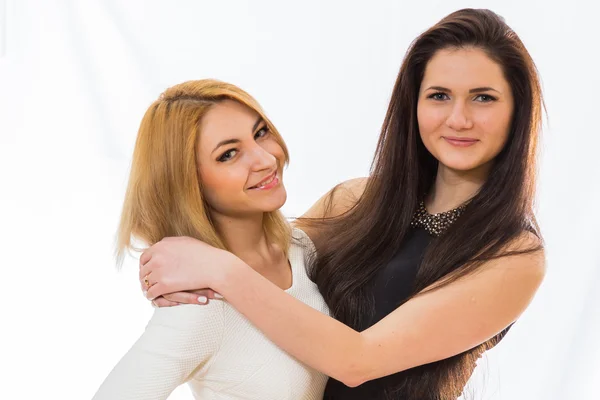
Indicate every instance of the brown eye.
{"type": "Point", "coordinates": [262, 132]}
{"type": "Point", "coordinates": [485, 98]}
{"type": "Point", "coordinates": [228, 155]}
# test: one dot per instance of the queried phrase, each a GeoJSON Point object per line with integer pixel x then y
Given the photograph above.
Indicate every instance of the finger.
{"type": "Point", "coordinates": [208, 293]}
{"type": "Point", "coordinates": [146, 256]}
{"type": "Point", "coordinates": [186, 298]}
{"type": "Point", "coordinates": [148, 281]}
{"type": "Point", "coordinates": [143, 284]}
{"type": "Point", "coordinates": [162, 302]}
{"type": "Point", "coordinates": [146, 269]}
{"type": "Point", "coordinates": [155, 290]}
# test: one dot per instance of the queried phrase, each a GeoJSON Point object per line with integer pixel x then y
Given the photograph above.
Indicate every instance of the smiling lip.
{"type": "Point", "coordinates": [460, 142]}
{"type": "Point", "coordinates": [272, 179]}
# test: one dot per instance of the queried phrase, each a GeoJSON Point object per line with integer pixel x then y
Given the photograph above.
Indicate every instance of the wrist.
{"type": "Point", "coordinates": [227, 274]}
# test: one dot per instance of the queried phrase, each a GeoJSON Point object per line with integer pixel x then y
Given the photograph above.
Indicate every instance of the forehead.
{"type": "Point", "coordinates": [227, 119]}
{"type": "Point", "coordinates": [463, 69]}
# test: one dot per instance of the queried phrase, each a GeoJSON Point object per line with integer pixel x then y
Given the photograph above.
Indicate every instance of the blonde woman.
{"type": "Point", "coordinates": [208, 164]}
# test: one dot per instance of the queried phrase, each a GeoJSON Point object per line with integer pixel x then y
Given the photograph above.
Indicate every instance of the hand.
{"type": "Point", "coordinates": [202, 297]}
{"type": "Point", "coordinates": [178, 264]}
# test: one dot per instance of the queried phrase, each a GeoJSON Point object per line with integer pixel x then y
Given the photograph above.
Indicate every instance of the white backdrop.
{"type": "Point", "coordinates": [77, 76]}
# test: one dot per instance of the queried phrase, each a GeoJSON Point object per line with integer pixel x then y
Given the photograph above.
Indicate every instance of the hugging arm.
{"type": "Point", "coordinates": [431, 326]}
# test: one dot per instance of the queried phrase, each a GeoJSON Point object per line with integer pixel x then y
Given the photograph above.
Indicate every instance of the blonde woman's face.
{"type": "Point", "coordinates": [464, 109]}
{"type": "Point", "coordinates": [240, 162]}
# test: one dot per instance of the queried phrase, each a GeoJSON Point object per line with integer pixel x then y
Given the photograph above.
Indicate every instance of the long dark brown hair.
{"type": "Point", "coordinates": [352, 248]}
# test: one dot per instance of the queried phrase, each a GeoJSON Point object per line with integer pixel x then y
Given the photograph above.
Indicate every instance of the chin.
{"type": "Point", "coordinates": [461, 163]}
{"type": "Point", "coordinates": [276, 203]}
{"type": "Point", "coordinates": [273, 202]}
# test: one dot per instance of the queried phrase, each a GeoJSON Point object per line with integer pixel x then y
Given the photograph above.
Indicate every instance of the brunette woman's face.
{"type": "Point", "coordinates": [239, 161]}
{"type": "Point", "coordinates": [464, 109]}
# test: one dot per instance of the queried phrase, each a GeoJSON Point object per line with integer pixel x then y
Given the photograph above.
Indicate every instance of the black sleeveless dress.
{"type": "Point", "coordinates": [392, 286]}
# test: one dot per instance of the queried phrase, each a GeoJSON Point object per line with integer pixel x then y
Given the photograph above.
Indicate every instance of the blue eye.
{"type": "Point", "coordinates": [438, 96]}
{"type": "Point", "coordinates": [228, 155]}
{"type": "Point", "coordinates": [485, 98]}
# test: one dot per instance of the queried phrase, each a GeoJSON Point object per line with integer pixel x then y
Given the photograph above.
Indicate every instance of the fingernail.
{"type": "Point", "coordinates": [218, 296]}
{"type": "Point", "coordinates": [145, 293]}
{"type": "Point", "coordinates": [202, 299]}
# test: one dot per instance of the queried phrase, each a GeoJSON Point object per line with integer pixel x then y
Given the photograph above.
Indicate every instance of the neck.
{"type": "Point", "coordinates": [453, 188]}
{"type": "Point", "coordinates": [243, 236]}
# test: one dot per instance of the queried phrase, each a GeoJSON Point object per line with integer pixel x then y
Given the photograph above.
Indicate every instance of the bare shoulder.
{"type": "Point", "coordinates": [524, 262]}
{"type": "Point", "coordinates": [341, 198]}
{"type": "Point", "coordinates": [338, 200]}
{"type": "Point", "coordinates": [355, 186]}
{"type": "Point", "coordinates": [528, 247]}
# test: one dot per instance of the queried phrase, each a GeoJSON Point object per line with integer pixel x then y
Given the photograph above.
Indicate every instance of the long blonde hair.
{"type": "Point", "coordinates": [164, 196]}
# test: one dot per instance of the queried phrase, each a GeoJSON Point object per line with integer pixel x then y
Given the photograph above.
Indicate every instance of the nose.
{"type": "Point", "coordinates": [459, 118]}
{"type": "Point", "coordinates": [262, 159]}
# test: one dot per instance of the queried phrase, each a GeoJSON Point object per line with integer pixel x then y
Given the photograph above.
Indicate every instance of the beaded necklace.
{"type": "Point", "coordinates": [436, 224]}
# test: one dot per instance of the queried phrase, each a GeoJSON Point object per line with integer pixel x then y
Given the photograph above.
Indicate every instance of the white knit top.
{"type": "Point", "coordinates": [217, 351]}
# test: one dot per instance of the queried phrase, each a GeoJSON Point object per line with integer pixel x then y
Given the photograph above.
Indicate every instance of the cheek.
{"type": "Point", "coordinates": [430, 117]}
{"type": "Point", "coordinates": [221, 184]}
{"type": "Point", "coordinates": [429, 120]}
{"type": "Point", "coordinates": [495, 125]}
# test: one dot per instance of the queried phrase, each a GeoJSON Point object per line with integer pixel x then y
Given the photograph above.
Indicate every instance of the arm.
{"type": "Point", "coordinates": [176, 342]}
{"type": "Point", "coordinates": [430, 327]}
{"type": "Point", "coordinates": [335, 202]}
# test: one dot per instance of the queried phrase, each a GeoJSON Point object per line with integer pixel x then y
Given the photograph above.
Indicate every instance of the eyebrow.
{"type": "Point", "coordinates": [474, 90]}
{"type": "Point", "coordinates": [232, 141]}
{"type": "Point", "coordinates": [258, 121]}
